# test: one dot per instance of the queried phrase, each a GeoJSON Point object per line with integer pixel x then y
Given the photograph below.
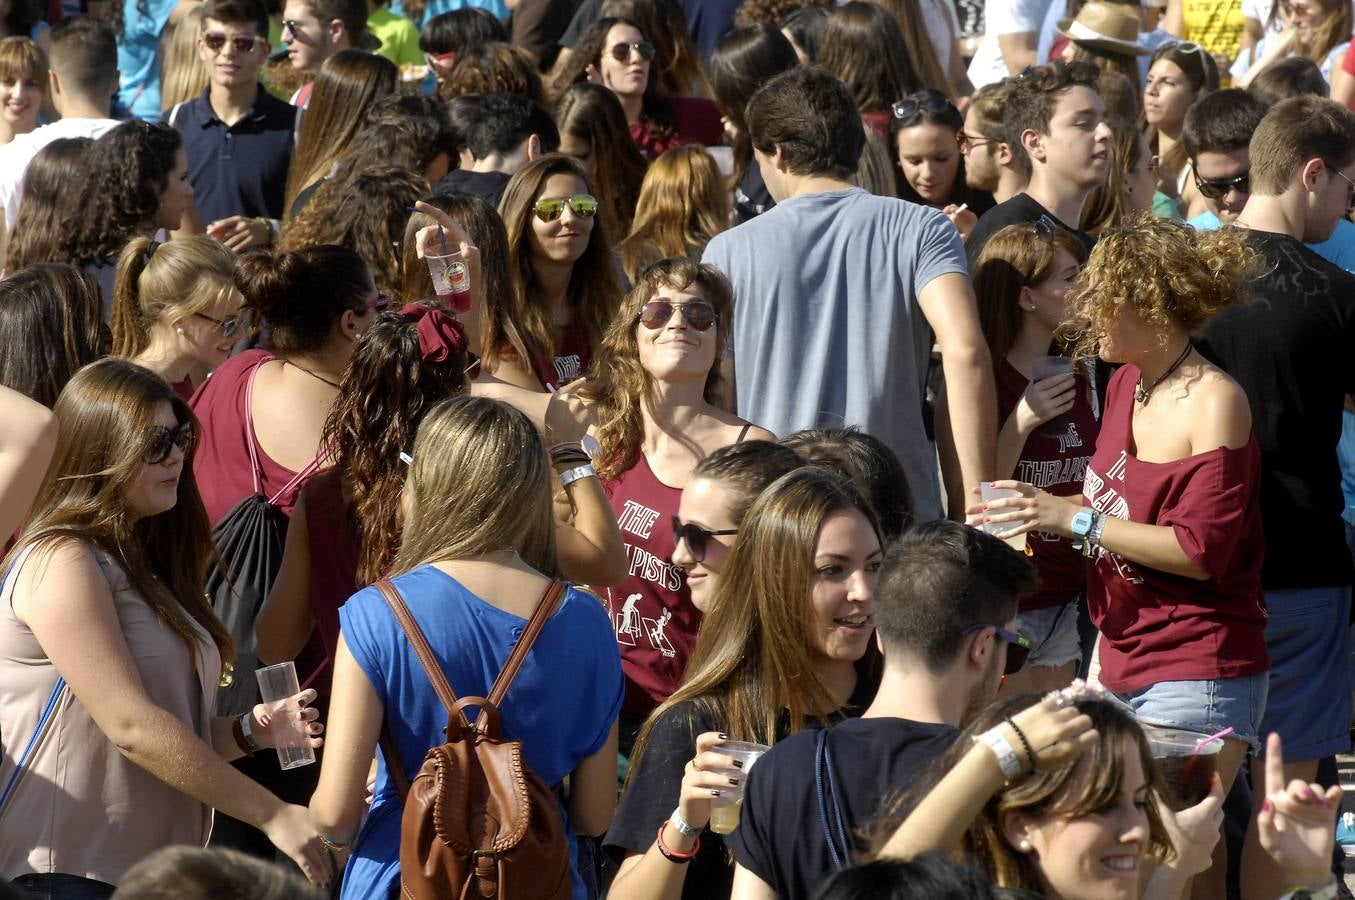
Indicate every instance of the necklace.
{"type": "Point", "coordinates": [332, 384]}
{"type": "Point", "coordinates": [1141, 394]}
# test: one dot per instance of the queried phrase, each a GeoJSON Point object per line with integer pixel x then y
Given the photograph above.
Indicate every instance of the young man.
{"type": "Point", "coordinates": [945, 610]}
{"type": "Point", "coordinates": [1012, 40]}
{"type": "Point", "coordinates": [238, 137]}
{"type": "Point", "coordinates": [991, 163]}
{"type": "Point", "coordinates": [82, 77]}
{"type": "Point", "coordinates": [1289, 349]}
{"type": "Point", "coordinates": [1216, 135]}
{"type": "Point", "coordinates": [838, 292]}
{"type": "Point", "coordinates": [507, 132]}
{"type": "Point", "coordinates": [314, 30]}
{"type": "Point", "coordinates": [1054, 113]}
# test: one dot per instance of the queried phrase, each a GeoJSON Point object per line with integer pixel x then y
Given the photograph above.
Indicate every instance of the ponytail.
{"type": "Point", "coordinates": [131, 327]}
{"type": "Point", "coordinates": [157, 284]}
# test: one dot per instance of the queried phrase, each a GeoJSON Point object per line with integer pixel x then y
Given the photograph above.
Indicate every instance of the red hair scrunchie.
{"type": "Point", "coordinates": [440, 335]}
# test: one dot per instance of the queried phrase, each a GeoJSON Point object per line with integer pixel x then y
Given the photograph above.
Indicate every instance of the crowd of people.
{"type": "Point", "coordinates": [832, 447]}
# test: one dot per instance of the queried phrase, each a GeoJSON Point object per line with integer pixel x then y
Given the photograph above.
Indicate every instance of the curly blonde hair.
{"type": "Point", "coordinates": [1175, 276]}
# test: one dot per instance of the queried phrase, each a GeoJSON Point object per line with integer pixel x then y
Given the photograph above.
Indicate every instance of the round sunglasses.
{"type": "Point", "coordinates": [699, 314]}
{"type": "Point", "coordinates": [621, 52]}
{"type": "Point", "coordinates": [164, 440]}
{"type": "Point", "coordinates": [696, 537]}
{"type": "Point", "coordinates": [548, 209]}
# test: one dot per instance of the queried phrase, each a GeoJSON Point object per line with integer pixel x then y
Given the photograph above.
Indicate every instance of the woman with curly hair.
{"type": "Point", "coordinates": [48, 203]}
{"type": "Point", "coordinates": [593, 130]}
{"type": "Point", "coordinates": [615, 53]}
{"type": "Point", "coordinates": [564, 284]}
{"type": "Point", "coordinates": [1171, 508]}
{"type": "Point", "coordinates": [863, 46]}
{"type": "Point", "coordinates": [683, 204]}
{"type": "Point", "coordinates": [136, 183]}
{"type": "Point", "coordinates": [492, 68]}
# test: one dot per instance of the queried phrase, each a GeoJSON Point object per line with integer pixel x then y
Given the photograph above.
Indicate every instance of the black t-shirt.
{"type": "Point", "coordinates": [751, 197]}
{"type": "Point", "coordinates": [1019, 210]}
{"type": "Point", "coordinates": [1292, 349]}
{"type": "Point", "coordinates": [780, 838]}
{"type": "Point", "coordinates": [489, 185]}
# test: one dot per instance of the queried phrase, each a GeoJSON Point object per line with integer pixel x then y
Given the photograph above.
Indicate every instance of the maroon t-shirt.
{"type": "Point", "coordinates": [697, 120]}
{"type": "Point", "coordinates": [334, 551]}
{"type": "Point", "coordinates": [1055, 460]}
{"type": "Point", "coordinates": [651, 610]}
{"type": "Point", "coordinates": [1160, 627]}
{"type": "Point", "coordinates": [570, 361]}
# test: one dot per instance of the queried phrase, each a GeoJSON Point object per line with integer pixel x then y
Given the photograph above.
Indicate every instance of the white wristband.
{"type": "Point", "coordinates": [681, 825]}
{"type": "Point", "coordinates": [569, 476]}
{"type": "Point", "coordinates": [1002, 749]}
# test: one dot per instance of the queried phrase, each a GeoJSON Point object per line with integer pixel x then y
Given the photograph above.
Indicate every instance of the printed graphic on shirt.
{"type": "Point", "coordinates": [1106, 498]}
{"type": "Point", "coordinates": [630, 623]}
{"type": "Point", "coordinates": [567, 368]}
{"type": "Point", "coordinates": [1048, 473]}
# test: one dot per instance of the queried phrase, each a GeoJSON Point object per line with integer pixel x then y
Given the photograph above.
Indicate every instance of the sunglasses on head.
{"type": "Point", "coordinates": [243, 43]}
{"type": "Point", "coordinates": [698, 313]}
{"type": "Point", "coordinates": [696, 537]}
{"type": "Point", "coordinates": [548, 209]}
{"type": "Point", "coordinates": [621, 52]}
{"type": "Point", "coordinates": [1189, 47]}
{"type": "Point", "coordinates": [382, 301]}
{"type": "Point", "coordinates": [1217, 189]}
{"type": "Point", "coordinates": [164, 439]}
{"type": "Point", "coordinates": [1018, 645]}
{"type": "Point", "coordinates": [1044, 229]}
{"type": "Point", "coordinates": [933, 103]}
{"type": "Point", "coordinates": [228, 325]}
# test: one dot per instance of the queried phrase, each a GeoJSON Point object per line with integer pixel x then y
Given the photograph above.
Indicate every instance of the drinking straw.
{"type": "Point", "coordinates": [442, 235]}
{"type": "Point", "coordinates": [1199, 745]}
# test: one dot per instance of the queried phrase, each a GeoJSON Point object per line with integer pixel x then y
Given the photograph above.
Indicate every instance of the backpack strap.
{"type": "Point", "coordinates": [555, 591]}
{"type": "Point", "coordinates": [421, 648]}
{"type": "Point", "coordinates": [252, 442]}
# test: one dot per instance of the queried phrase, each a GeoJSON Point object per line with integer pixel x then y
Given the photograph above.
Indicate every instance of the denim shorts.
{"type": "Point", "coordinates": [1310, 680]}
{"type": "Point", "coordinates": [1053, 635]}
{"type": "Point", "coordinates": [1205, 706]}
{"type": "Point", "coordinates": [55, 886]}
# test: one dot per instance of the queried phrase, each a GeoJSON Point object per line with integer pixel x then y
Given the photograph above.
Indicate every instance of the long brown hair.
{"type": "Point", "coordinates": [1108, 204]}
{"type": "Point", "coordinates": [620, 387]}
{"type": "Point", "coordinates": [48, 203]}
{"type": "Point", "coordinates": [683, 204]}
{"type": "Point", "coordinates": [1014, 258]}
{"type": "Point", "coordinates": [349, 82]}
{"type": "Point", "coordinates": [862, 45]}
{"type": "Point", "coordinates": [105, 413]}
{"type": "Point", "coordinates": [658, 103]}
{"type": "Point", "coordinates": [387, 389]}
{"type": "Point", "coordinates": [753, 670]}
{"type": "Point", "coordinates": [594, 290]}
{"type": "Point", "coordinates": [591, 113]}
{"type": "Point", "coordinates": [51, 325]}
{"type": "Point", "coordinates": [178, 279]}
{"type": "Point", "coordinates": [920, 50]}
{"type": "Point", "coordinates": [1329, 33]}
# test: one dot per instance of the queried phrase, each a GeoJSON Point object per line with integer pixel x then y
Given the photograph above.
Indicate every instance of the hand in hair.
{"type": "Point", "coordinates": [1297, 824]}
{"type": "Point", "coordinates": [447, 235]}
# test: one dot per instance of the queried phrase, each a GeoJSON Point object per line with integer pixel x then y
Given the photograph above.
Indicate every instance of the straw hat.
{"type": "Point", "coordinates": [1105, 26]}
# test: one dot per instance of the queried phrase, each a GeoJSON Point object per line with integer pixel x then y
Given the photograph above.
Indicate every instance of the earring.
{"type": "Point", "coordinates": [179, 329]}
{"type": "Point", "coordinates": [1023, 845]}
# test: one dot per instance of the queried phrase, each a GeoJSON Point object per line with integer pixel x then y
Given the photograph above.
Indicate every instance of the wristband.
{"type": "Point", "coordinates": [569, 476]}
{"type": "Point", "coordinates": [681, 825]}
{"type": "Point", "coordinates": [676, 856]}
{"type": "Point", "coordinates": [1002, 749]}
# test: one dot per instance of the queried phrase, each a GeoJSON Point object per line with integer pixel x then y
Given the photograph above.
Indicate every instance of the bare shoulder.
{"type": "Point", "coordinates": [58, 567]}
{"type": "Point", "coordinates": [1220, 414]}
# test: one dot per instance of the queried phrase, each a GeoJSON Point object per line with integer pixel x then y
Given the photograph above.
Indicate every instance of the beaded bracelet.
{"type": "Point", "coordinates": [1020, 736]}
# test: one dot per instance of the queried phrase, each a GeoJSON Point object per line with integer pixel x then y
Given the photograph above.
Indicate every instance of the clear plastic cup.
{"type": "Point", "coordinates": [1188, 775]}
{"type": "Point", "coordinates": [724, 810]}
{"type": "Point", "coordinates": [1049, 367]}
{"type": "Point", "coordinates": [989, 494]}
{"type": "Point", "coordinates": [451, 280]}
{"type": "Point", "coordinates": [277, 688]}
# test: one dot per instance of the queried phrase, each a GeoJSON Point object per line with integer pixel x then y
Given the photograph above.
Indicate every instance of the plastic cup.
{"type": "Point", "coordinates": [1049, 367]}
{"type": "Point", "coordinates": [277, 688]}
{"type": "Point", "coordinates": [724, 811]}
{"type": "Point", "coordinates": [451, 280]}
{"type": "Point", "coordinates": [989, 494]}
{"type": "Point", "coordinates": [1187, 776]}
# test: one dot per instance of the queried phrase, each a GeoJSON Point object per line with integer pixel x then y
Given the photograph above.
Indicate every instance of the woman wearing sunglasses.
{"type": "Point", "coordinates": [615, 53]}
{"type": "Point", "coordinates": [1170, 513]}
{"type": "Point", "coordinates": [564, 281]}
{"type": "Point", "coordinates": [788, 644]}
{"type": "Point", "coordinates": [175, 308]}
{"type": "Point", "coordinates": [924, 129]}
{"type": "Point", "coordinates": [111, 656]}
{"type": "Point", "coordinates": [1317, 30]}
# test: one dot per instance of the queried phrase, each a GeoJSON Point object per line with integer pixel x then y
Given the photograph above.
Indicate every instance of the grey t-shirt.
{"type": "Point", "coordinates": [827, 329]}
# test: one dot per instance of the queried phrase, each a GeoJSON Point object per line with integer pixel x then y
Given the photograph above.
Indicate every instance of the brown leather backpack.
{"type": "Point", "coordinates": [478, 822]}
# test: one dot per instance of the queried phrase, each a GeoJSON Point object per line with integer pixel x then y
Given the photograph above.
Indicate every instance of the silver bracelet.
{"type": "Point", "coordinates": [569, 476]}
{"type": "Point", "coordinates": [681, 825]}
{"type": "Point", "coordinates": [1003, 750]}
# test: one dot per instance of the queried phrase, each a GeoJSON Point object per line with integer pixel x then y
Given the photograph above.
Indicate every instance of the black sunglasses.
{"type": "Point", "coordinates": [243, 43]}
{"type": "Point", "coordinates": [228, 325]}
{"type": "Point", "coordinates": [1217, 189]}
{"type": "Point", "coordinates": [696, 537]}
{"type": "Point", "coordinates": [164, 439]}
{"type": "Point", "coordinates": [1018, 645]}
{"type": "Point", "coordinates": [933, 103]}
{"type": "Point", "coordinates": [1044, 228]}
{"type": "Point", "coordinates": [698, 313]}
{"type": "Point", "coordinates": [621, 52]}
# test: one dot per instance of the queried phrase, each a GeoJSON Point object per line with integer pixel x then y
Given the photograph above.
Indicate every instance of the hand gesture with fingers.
{"type": "Point", "coordinates": [1194, 830]}
{"type": "Point", "coordinates": [1297, 823]}
{"type": "Point", "coordinates": [705, 778]}
{"type": "Point", "coordinates": [449, 234]}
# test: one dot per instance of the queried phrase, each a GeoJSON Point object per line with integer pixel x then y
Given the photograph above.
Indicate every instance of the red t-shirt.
{"type": "Point", "coordinates": [184, 388]}
{"type": "Point", "coordinates": [334, 551]}
{"type": "Point", "coordinates": [697, 120]}
{"type": "Point", "coordinates": [1159, 627]}
{"type": "Point", "coordinates": [570, 361]}
{"type": "Point", "coordinates": [651, 610]}
{"type": "Point", "coordinates": [1055, 460]}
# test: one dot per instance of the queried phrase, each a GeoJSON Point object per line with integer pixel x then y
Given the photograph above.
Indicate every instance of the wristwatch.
{"type": "Point", "coordinates": [1082, 524]}
{"type": "Point", "coordinates": [251, 743]}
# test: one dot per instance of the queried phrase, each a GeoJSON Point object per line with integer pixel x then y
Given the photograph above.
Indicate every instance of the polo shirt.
{"type": "Point", "coordinates": [240, 169]}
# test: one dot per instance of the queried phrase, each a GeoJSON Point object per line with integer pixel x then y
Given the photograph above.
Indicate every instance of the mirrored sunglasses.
{"type": "Point", "coordinates": [548, 209]}
{"type": "Point", "coordinates": [243, 43]}
{"type": "Point", "coordinates": [699, 314]}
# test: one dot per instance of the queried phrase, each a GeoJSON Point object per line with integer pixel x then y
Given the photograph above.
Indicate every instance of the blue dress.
{"type": "Point", "coordinates": [143, 21]}
{"type": "Point", "coordinates": [561, 705]}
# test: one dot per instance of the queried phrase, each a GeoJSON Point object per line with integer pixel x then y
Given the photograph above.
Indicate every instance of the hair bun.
{"type": "Point", "coordinates": [269, 282]}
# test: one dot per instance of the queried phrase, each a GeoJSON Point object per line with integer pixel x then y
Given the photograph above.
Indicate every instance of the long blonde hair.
{"type": "Point", "coordinates": [175, 281]}
{"type": "Point", "coordinates": [753, 670]}
{"type": "Point", "coordinates": [619, 386]}
{"type": "Point", "coordinates": [479, 482]}
{"type": "Point", "coordinates": [182, 75]}
{"type": "Point", "coordinates": [683, 204]}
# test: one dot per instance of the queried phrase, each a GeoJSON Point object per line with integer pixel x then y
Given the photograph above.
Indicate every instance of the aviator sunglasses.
{"type": "Point", "coordinates": [698, 313]}
{"type": "Point", "coordinates": [164, 439]}
{"type": "Point", "coordinates": [696, 537]}
{"type": "Point", "coordinates": [548, 209]}
{"type": "Point", "coordinates": [1018, 646]}
{"type": "Point", "coordinates": [621, 52]}
{"type": "Point", "coordinates": [243, 43]}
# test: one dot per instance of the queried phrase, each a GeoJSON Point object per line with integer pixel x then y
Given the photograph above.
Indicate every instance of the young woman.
{"type": "Point", "coordinates": [492, 68]}
{"type": "Point", "coordinates": [925, 133]}
{"type": "Point", "coordinates": [862, 45]}
{"type": "Point", "coordinates": [1318, 30]}
{"type": "Point", "coordinates": [446, 36]}
{"type": "Point", "coordinates": [871, 467]}
{"type": "Point", "coordinates": [1049, 424]}
{"type": "Point", "coordinates": [652, 392]}
{"type": "Point", "coordinates": [683, 204]}
{"type": "Point", "coordinates": [1179, 73]}
{"type": "Point", "coordinates": [1105, 33]}
{"type": "Point", "coordinates": [1131, 183]}
{"type": "Point", "coordinates": [593, 130]}
{"type": "Point", "coordinates": [50, 323]}
{"type": "Point", "coordinates": [476, 555]}
{"type": "Point", "coordinates": [797, 590]}
{"type": "Point", "coordinates": [112, 656]}
{"type": "Point", "coordinates": [1172, 517]}
{"type": "Point", "coordinates": [48, 204]}
{"type": "Point", "coordinates": [175, 308]}
{"type": "Point", "coordinates": [23, 86]}
{"type": "Point", "coordinates": [616, 54]}
{"type": "Point", "coordinates": [183, 77]}
{"type": "Point", "coordinates": [136, 183]}
{"type": "Point", "coordinates": [564, 284]}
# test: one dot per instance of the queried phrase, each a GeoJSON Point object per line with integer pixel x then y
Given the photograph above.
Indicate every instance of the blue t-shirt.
{"type": "Point", "coordinates": [139, 57]}
{"type": "Point", "coordinates": [561, 705]}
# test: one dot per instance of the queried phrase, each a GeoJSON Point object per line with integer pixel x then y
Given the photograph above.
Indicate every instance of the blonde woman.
{"type": "Point", "coordinates": [175, 308]}
{"type": "Point", "coordinates": [683, 204]}
{"type": "Point", "coordinates": [183, 77]}
{"type": "Point", "coordinates": [477, 553]}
